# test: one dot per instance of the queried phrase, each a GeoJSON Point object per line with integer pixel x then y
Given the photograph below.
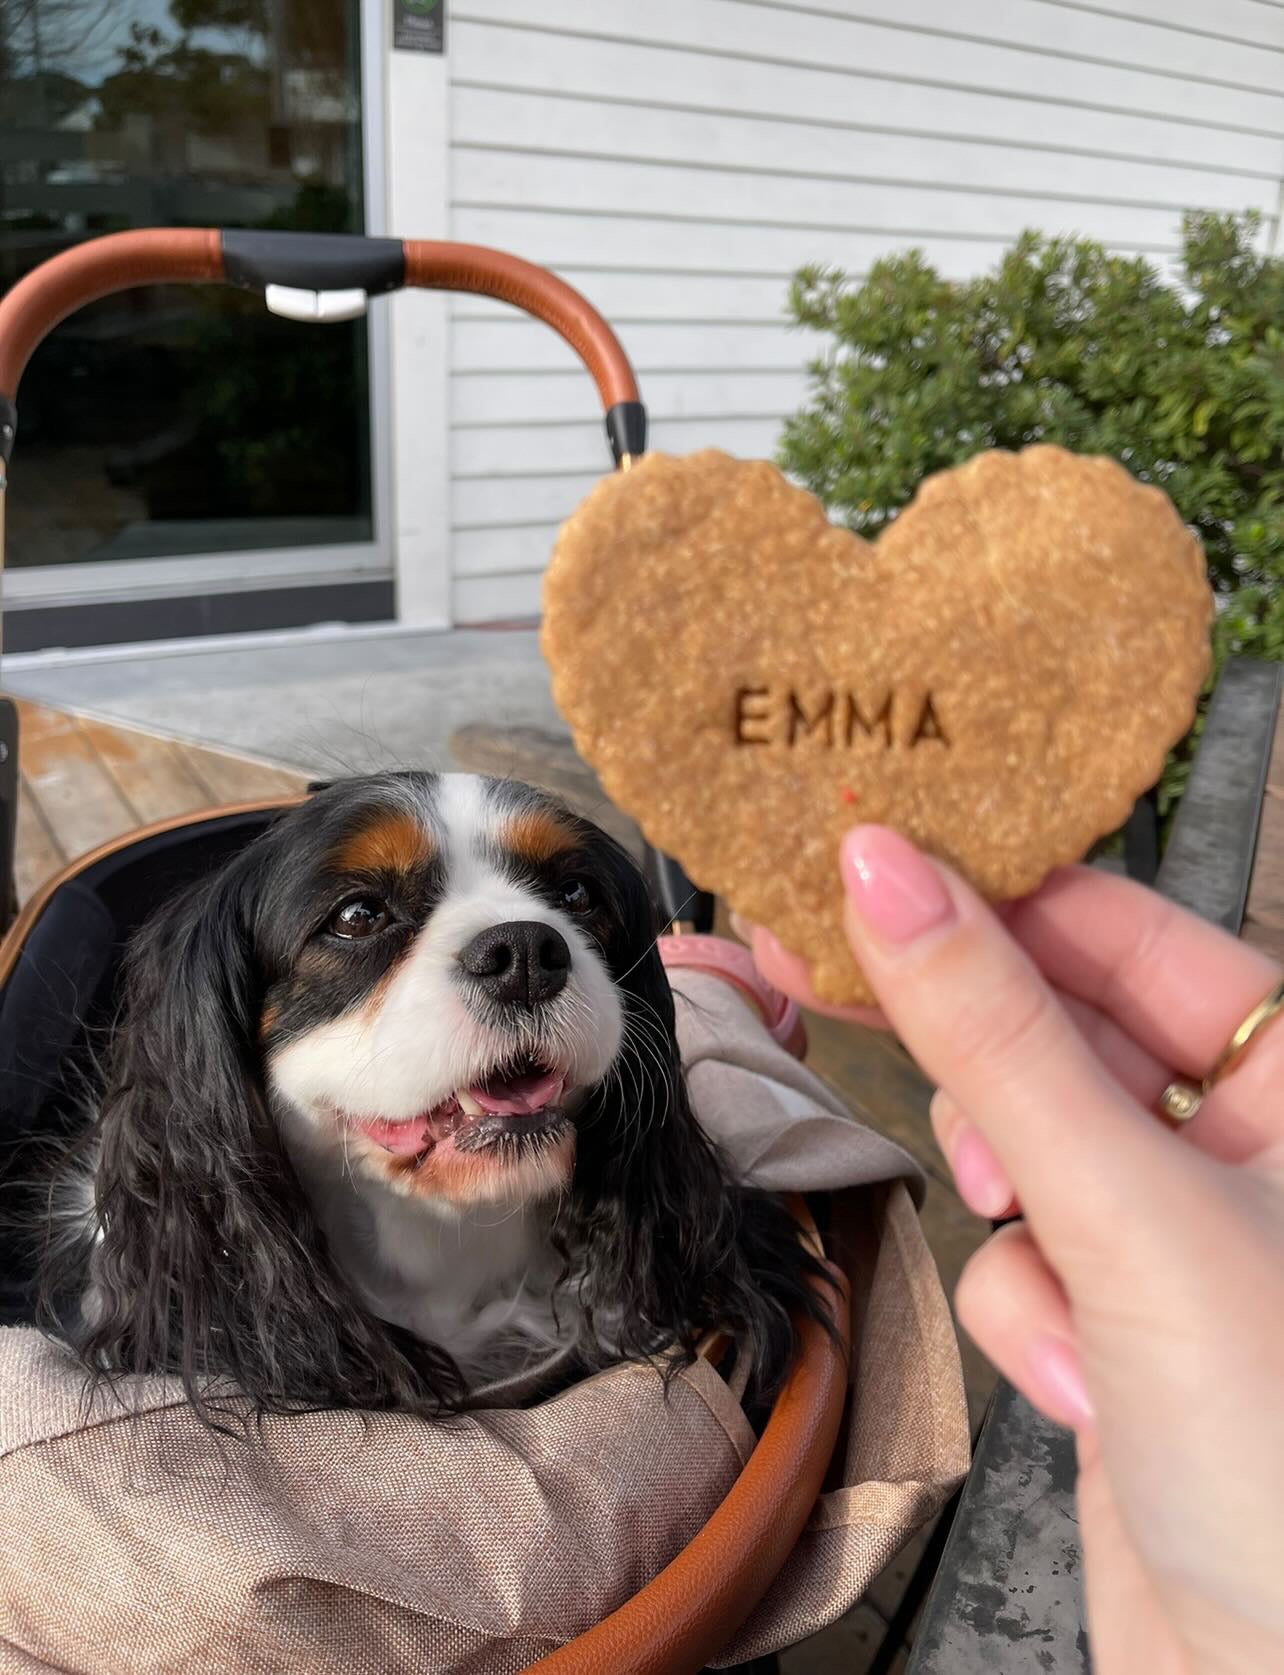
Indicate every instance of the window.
{"type": "Point", "coordinates": [182, 420]}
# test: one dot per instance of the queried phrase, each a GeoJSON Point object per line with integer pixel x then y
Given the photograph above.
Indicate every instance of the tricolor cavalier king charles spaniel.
{"type": "Point", "coordinates": [394, 1110]}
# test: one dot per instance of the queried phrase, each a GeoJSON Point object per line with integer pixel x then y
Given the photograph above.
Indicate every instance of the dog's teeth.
{"type": "Point", "coordinates": [468, 1105]}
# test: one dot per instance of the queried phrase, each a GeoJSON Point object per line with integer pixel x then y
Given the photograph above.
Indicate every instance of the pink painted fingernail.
{"type": "Point", "coordinates": [897, 892]}
{"type": "Point", "coordinates": [982, 1185]}
{"type": "Point", "coordinates": [1058, 1382]}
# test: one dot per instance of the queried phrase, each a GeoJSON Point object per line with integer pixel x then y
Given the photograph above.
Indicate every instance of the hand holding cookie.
{"type": "Point", "coordinates": [998, 678]}
{"type": "Point", "coordinates": [1128, 1302]}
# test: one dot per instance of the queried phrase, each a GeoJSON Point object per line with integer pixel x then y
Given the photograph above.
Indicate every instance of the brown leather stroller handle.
{"type": "Point", "coordinates": [31, 309]}
{"type": "Point", "coordinates": [492, 273]}
{"type": "Point", "coordinates": [318, 262]}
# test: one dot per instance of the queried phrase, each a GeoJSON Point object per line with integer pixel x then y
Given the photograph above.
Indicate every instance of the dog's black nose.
{"type": "Point", "coordinates": [523, 962]}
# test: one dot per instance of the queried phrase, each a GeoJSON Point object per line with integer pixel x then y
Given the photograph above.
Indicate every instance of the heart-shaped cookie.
{"type": "Point", "coordinates": [999, 677]}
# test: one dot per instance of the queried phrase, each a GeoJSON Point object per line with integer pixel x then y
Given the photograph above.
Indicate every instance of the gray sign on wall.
{"type": "Point", "coordinates": [419, 25]}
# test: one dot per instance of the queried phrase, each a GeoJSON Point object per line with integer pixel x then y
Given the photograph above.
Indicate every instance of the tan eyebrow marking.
{"type": "Point", "coordinates": [392, 842]}
{"type": "Point", "coordinates": [538, 834]}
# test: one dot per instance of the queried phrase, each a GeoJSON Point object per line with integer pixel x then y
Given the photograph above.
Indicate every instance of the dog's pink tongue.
{"type": "Point", "coordinates": [518, 1096]}
{"type": "Point", "coordinates": [401, 1138]}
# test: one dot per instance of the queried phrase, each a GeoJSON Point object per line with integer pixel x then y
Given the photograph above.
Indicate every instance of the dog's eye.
{"type": "Point", "coordinates": [361, 917]}
{"type": "Point", "coordinates": [575, 896]}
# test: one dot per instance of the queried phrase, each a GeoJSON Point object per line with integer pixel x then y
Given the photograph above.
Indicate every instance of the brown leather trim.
{"type": "Point", "coordinates": [55, 289]}
{"type": "Point", "coordinates": [494, 273]}
{"type": "Point", "coordinates": [685, 1616]}
{"type": "Point", "coordinates": [34, 906]}
{"type": "Point", "coordinates": [152, 255]}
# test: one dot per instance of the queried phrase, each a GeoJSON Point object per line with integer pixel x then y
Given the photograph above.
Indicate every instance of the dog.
{"type": "Point", "coordinates": [393, 1111]}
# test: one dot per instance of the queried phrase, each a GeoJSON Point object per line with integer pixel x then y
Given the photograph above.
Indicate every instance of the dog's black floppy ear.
{"type": "Point", "coordinates": [675, 1244]}
{"type": "Point", "coordinates": [208, 1261]}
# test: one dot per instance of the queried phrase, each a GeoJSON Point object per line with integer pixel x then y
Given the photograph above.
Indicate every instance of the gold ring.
{"type": "Point", "coordinates": [1233, 1053]}
{"type": "Point", "coordinates": [1181, 1099]}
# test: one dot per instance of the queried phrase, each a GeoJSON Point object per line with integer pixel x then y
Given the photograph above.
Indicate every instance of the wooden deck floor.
{"type": "Point", "coordinates": [82, 782]}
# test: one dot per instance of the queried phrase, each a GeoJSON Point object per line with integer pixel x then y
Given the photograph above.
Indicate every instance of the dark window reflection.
{"type": "Point", "coordinates": [182, 419]}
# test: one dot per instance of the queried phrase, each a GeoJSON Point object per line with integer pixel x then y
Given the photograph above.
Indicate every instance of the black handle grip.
{"type": "Point", "coordinates": [313, 261]}
{"type": "Point", "coordinates": [8, 810]}
{"type": "Point", "coordinates": [626, 430]}
{"type": "Point", "coordinates": [8, 429]}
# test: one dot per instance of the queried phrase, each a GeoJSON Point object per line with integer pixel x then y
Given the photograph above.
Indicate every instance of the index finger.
{"type": "Point", "coordinates": [984, 1023]}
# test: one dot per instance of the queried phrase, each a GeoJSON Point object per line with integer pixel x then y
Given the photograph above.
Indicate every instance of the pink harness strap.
{"type": "Point", "coordinates": [734, 964]}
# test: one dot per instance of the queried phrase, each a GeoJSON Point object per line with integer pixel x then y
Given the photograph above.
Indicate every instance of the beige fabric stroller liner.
{"type": "Point", "coordinates": [361, 1543]}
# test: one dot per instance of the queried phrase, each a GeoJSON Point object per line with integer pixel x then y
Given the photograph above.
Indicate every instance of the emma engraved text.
{"type": "Point", "coordinates": [836, 719]}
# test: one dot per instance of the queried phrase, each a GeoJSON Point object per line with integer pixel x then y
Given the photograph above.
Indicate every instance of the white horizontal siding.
{"type": "Point", "coordinates": [504, 549]}
{"type": "Point", "coordinates": [503, 346]}
{"type": "Point", "coordinates": [1250, 22]}
{"type": "Point", "coordinates": [678, 164]}
{"type": "Point", "coordinates": [534, 122]}
{"type": "Point", "coordinates": [507, 502]}
{"type": "Point", "coordinates": [647, 294]}
{"type": "Point", "coordinates": [500, 598]}
{"type": "Point", "coordinates": [669, 242]}
{"type": "Point", "coordinates": [756, 198]}
{"type": "Point", "coordinates": [814, 39]}
{"type": "Point", "coordinates": [482, 400]}
{"type": "Point", "coordinates": [487, 453]}
{"type": "Point", "coordinates": [522, 58]}
{"type": "Point", "coordinates": [1228, 45]}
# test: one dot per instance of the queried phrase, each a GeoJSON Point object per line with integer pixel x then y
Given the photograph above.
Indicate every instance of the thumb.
{"type": "Point", "coordinates": [1083, 1157]}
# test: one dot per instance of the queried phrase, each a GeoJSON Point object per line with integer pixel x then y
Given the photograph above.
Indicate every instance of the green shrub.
{"type": "Point", "coordinates": [1182, 380]}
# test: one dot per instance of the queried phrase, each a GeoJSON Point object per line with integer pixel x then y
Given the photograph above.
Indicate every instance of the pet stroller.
{"type": "Point", "coordinates": [59, 967]}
